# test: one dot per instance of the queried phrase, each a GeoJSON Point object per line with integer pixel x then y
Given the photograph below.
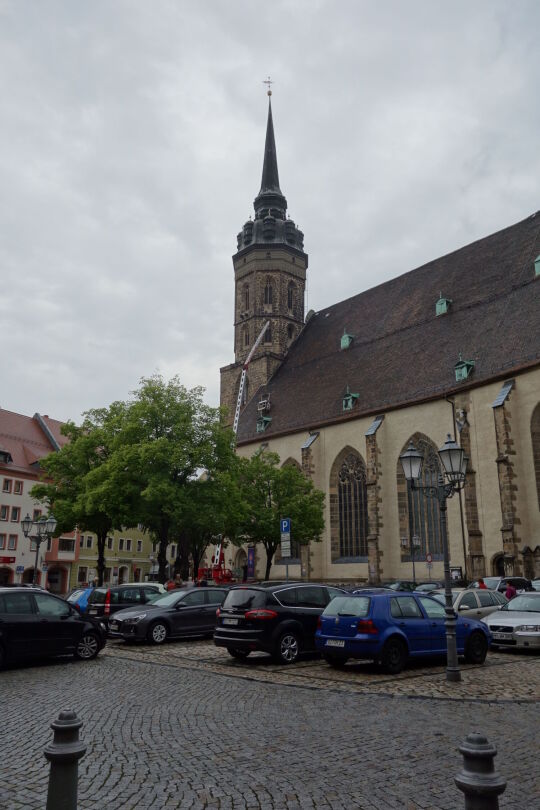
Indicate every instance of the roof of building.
{"type": "Point", "coordinates": [403, 353]}
{"type": "Point", "coordinates": [27, 439]}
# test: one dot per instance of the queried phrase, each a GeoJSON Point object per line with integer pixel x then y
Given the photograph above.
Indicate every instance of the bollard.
{"type": "Point", "coordinates": [478, 779]}
{"type": "Point", "coordinates": [64, 754]}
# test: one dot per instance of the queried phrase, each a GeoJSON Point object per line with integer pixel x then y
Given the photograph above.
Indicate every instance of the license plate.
{"type": "Point", "coordinates": [502, 636]}
{"type": "Point", "coordinates": [334, 642]}
{"type": "Point", "coordinates": [113, 625]}
{"type": "Point", "coordinates": [230, 621]}
{"type": "Point", "coordinates": [92, 610]}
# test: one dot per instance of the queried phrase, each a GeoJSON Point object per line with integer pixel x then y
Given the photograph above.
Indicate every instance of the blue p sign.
{"type": "Point", "coordinates": [285, 525]}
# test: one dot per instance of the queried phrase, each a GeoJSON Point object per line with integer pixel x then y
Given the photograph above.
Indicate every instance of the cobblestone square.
{"type": "Point", "coordinates": [185, 726]}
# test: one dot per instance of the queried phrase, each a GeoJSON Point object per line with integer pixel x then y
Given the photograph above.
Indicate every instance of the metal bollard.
{"type": "Point", "coordinates": [478, 779]}
{"type": "Point", "coordinates": [64, 754]}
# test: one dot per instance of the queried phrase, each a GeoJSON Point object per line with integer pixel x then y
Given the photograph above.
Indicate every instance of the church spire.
{"type": "Point", "coordinates": [270, 177]}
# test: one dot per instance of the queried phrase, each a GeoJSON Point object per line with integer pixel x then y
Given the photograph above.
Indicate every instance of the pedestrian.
{"type": "Point", "coordinates": [482, 585]}
{"type": "Point", "coordinates": [170, 585]}
{"type": "Point", "coordinates": [178, 581]}
{"type": "Point", "coordinates": [94, 583]}
{"type": "Point", "coordinates": [510, 591]}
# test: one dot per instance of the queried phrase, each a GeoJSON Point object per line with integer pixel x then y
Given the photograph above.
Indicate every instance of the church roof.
{"type": "Point", "coordinates": [401, 352]}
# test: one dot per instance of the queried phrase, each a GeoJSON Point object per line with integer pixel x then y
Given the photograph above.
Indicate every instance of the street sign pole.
{"type": "Point", "coordinates": [285, 525]}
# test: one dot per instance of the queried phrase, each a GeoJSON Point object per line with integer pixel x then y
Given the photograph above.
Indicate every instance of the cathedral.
{"type": "Point", "coordinates": [452, 347]}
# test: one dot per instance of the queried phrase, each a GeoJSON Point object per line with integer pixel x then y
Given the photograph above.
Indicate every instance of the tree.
{"type": "Point", "coordinates": [271, 493]}
{"type": "Point", "coordinates": [67, 475]}
{"type": "Point", "coordinates": [162, 440]}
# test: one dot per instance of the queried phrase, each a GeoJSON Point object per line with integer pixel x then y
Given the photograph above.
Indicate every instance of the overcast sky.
{"type": "Point", "coordinates": [131, 146]}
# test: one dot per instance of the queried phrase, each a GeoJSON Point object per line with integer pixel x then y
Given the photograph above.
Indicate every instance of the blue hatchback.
{"type": "Point", "coordinates": [391, 627]}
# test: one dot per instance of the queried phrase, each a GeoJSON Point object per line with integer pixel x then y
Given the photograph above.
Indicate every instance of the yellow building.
{"type": "Point", "coordinates": [452, 347]}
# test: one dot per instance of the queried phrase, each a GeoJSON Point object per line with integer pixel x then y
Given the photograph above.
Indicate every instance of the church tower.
{"type": "Point", "coordinates": [269, 284]}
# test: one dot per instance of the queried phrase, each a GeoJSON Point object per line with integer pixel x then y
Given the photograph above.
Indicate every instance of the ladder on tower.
{"type": "Point", "coordinates": [243, 377]}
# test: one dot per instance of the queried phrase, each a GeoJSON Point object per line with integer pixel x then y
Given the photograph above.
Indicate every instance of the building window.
{"type": "Point", "coordinates": [268, 335]}
{"type": "Point", "coordinates": [139, 546]}
{"type": "Point", "coordinates": [246, 337]}
{"type": "Point", "coordinates": [352, 507]}
{"type": "Point", "coordinates": [82, 575]}
{"type": "Point", "coordinates": [290, 331]}
{"type": "Point", "coordinates": [121, 544]}
{"type": "Point", "coordinates": [18, 490]}
{"type": "Point", "coordinates": [245, 295]}
{"type": "Point", "coordinates": [6, 486]}
{"type": "Point", "coordinates": [128, 545]}
{"type": "Point", "coordinates": [4, 512]}
{"type": "Point", "coordinates": [107, 575]}
{"type": "Point", "coordinates": [110, 543]}
{"type": "Point", "coordinates": [15, 514]}
{"type": "Point", "coordinates": [12, 542]}
{"type": "Point", "coordinates": [291, 289]}
{"type": "Point", "coordinates": [268, 293]}
{"type": "Point", "coordinates": [425, 522]}
{"type": "Point", "coordinates": [36, 515]}
{"type": "Point", "coordinates": [33, 545]}
{"type": "Point", "coordinates": [173, 552]}
{"type": "Point", "coordinates": [66, 544]}
{"type": "Point", "coordinates": [89, 542]}
{"type": "Point", "coordinates": [2, 542]}
{"type": "Point", "coordinates": [81, 541]}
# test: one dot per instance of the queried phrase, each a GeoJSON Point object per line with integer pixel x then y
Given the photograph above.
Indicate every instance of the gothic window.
{"type": "Point", "coordinates": [290, 331]}
{"type": "Point", "coordinates": [425, 511]}
{"type": "Point", "coordinates": [352, 507]}
{"type": "Point", "coordinates": [246, 337]}
{"type": "Point", "coordinates": [291, 289]}
{"type": "Point", "coordinates": [268, 335]}
{"type": "Point", "coordinates": [535, 439]}
{"type": "Point", "coordinates": [268, 292]}
{"type": "Point", "coordinates": [245, 297]}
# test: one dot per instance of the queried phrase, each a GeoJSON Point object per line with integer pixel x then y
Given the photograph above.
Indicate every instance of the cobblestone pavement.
{"type": "Point", "coordinates": [185, 726]}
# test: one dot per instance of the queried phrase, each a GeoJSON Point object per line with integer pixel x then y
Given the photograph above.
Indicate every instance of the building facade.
{"type": "Point", "coordinates": [452, 347]}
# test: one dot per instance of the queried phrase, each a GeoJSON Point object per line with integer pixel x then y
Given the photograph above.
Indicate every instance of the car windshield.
{"type": "Point", "coordinates": [348, 606]}
{"type": "Point", "coordinates": [166, 599]}
{"type": "Point", "coordinates": [491, 582]}
{"type": "Point", "coordinates": [244, 599]}
{"type": "Point", "coordinates": [529, 603]}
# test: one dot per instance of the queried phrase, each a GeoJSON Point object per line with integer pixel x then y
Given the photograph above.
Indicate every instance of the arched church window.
{"type": "Point", "coordinates": [290, 331]}
{"type": "Point", "coordinates": [425, 512]}
{"type": "Point", "coordinates": [291, 289]}
{"type": "Point", "coordinates": [268, 335]}
{"type": "Point", "coordinates": [268, 292]}
{"type": "Point", "coordinates": [535, 439]}
{"type": "Point", "coordinates": [245, 294]}
{"type": "Point", "coordinates": [246, 337]}
{"type": "Point", "coordinates": [352, 507]}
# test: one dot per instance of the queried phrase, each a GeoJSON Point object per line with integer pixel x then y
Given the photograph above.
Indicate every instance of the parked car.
{"type": "Point", "coordinates": [104, 602]}
{"type": "Point", "coordinates": [391, 628]}
{"type": "Point", "coordinates": [476, 603]}
{"type": "Point", "coordinates": [401, 585]}
{"type": "Point", "coordinates": [536, 584]}
{"type": "Point", "coordinates": [428, 587]}
{"type": "Point", "coordinates": [521, 584]}
{"type": "Point", "coordinates": [78, 598]}
{"type": "Point", "coordinates": [517, 624]}
{"type": "Point", "coordinates": [279, 619]}
{"type": "Point", "coordinates": [36, 624]}
{"type": "Point", "coordinates": [179, 613]}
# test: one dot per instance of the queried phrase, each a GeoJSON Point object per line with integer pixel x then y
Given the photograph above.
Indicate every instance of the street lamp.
{"type": "Point", "coordinates": [411, 544]}
{"type": "Point", "coordinates": [454, 464]}
{"type": "Point", "coordinates": [44, 528]}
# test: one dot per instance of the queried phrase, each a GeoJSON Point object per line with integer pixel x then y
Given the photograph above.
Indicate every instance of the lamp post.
{"type": "Point", "coordinates": [412, 544]}
{"type": "Point", "coordinates": [454, 464]}
{"type": "Point", "coordinates": [44, 529]}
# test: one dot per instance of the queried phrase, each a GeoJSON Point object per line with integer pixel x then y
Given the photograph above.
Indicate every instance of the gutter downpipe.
{"type": "Point", "coordinates": [452, 403]}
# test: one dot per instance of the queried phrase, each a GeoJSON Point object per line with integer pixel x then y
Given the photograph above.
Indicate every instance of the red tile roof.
{"type": "Point", "coordinates": [402, 353]}
{"type": "Point", "coordinates": [23, 437]}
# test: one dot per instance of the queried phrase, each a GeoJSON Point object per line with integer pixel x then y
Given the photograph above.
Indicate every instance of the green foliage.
{"type": "Point", "coordinates": [270, 493]}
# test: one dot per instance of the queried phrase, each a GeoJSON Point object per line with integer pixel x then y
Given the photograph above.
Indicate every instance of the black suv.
{"type": "Point", "coordinates": [279, 619]}
{"type": "Point", "coordinates": [103, 602]}
{"type": "Point", "coordinates": [36, 624]}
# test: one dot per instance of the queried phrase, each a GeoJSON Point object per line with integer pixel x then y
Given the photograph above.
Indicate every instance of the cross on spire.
{"type": "Point", "coordinates": [268, 81]}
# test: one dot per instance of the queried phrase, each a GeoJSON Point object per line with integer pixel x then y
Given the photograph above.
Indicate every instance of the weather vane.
{"type": "Point", "coordinates": [268, 82]}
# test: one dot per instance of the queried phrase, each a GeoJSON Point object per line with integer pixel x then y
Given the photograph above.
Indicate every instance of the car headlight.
{"type": "Point", "coordinates": [135, 619]}
{"type": "Point", "coordinates": [103, 625]}
{"type": "Point", "coordinates": [528, 628]}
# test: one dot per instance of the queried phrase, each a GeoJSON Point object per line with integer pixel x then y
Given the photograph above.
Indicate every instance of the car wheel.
{"type": "Point", "coordinates": [288, 648]}
{"type": "Point", "coordinates": [394, 656]}
{"type": "Point", "coordinates": [336, 661]}
{"type": "Point", "coordinates": [157, 633]}
{"type": "Point", "coordinates": [88, 647]}
{"type": "Point", "coordinates": [236, 653]}
{"type": "Point", "coordinates": [476, 648]}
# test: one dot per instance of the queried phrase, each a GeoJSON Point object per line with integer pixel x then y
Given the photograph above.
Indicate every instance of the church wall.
{"type": "Point", "coordinates": [434, 420]}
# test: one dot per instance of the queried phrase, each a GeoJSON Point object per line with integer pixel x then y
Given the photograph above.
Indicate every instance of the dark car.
{"type": "Point", "coordinates": [279, 619]}
{"type": "Point", "coordinates": [104, 602]}
{"type": "Point", "coordinates": [36, 624]}
{"type": "Point", "coordinates": [391, 628]}
{"type": "Point", "coordinates": [401, 585]}
{"type": "Point", "coordinates": [179, 613]}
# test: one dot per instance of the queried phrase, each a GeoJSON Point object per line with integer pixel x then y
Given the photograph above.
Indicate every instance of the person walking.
{"type": "Point", "coordinates": [170, 585]}
{"type": "Point", "coordinates": [482, 585]}
{"type": "Point", "coordinates": [510, 591]}
{"type": "Point", "coordinates": [178, 581]}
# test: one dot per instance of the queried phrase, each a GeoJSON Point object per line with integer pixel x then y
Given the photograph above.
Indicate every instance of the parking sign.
{"type": "Point", "coordinates": [285, 525]}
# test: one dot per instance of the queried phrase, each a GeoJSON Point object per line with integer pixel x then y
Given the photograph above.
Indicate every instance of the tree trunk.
{"type": "Point", "coordinates": [101, 540]}
{"type": "Point", "coordinates": [182, 558]}
{"type": "Point", "coordinates": [162, 555]}
{"type": "Point", "coordinates": [269, 557]}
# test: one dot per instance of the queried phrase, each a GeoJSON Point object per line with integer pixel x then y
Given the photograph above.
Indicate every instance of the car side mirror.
{"type": "Point", "coordinates": [179, 605]}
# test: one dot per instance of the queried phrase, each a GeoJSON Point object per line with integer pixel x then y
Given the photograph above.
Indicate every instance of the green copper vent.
{"type": "Point", "coordinates": [349, 399]}
{"type": "Point", "coordinates": [262, 423]}
{"type": "Point", "coordinates": [346, 340]}
{"type": "Point", "coordinates": [537, 266]}
{"type": "Point", "coordinates": [443, 305]}
{"type": "Point", "coordinates": [463, 369]}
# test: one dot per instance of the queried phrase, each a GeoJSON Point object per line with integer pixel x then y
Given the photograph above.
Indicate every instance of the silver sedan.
{"type": "Point", "coordinates": [517, 624]}
{"type": "Point", "coordinates": [477, 604]}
